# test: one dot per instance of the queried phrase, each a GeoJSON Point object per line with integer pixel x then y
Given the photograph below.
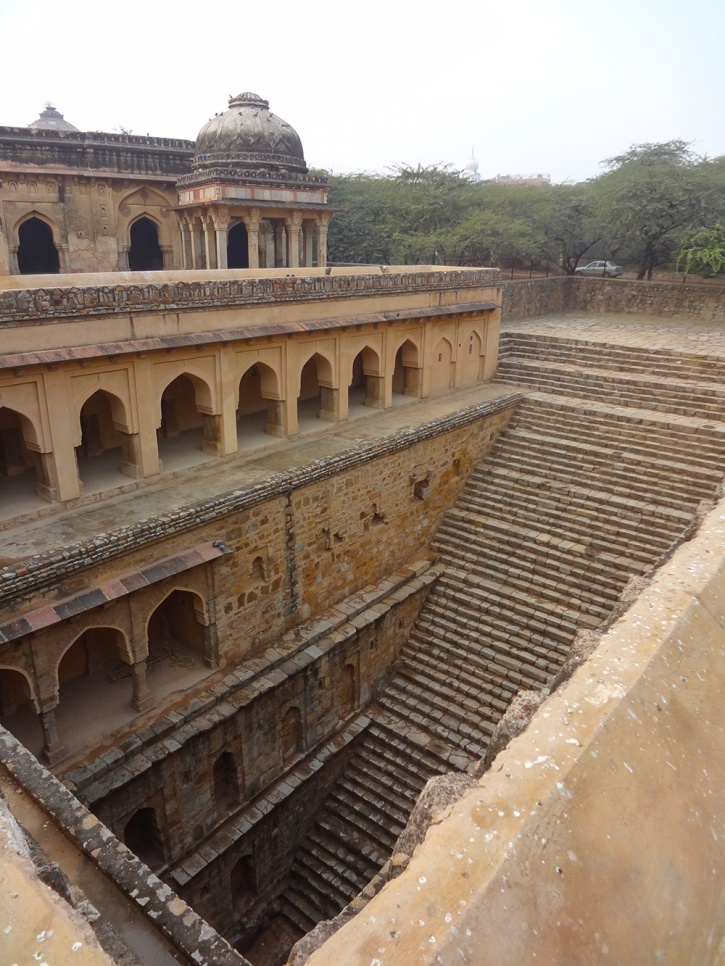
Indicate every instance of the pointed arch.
{"type": "Point", "coordinates": [16, 687]}
{"type": "Point", "coordinates": [470, 354]}
{"type": "Point", "coordinates": [38, 240]}
{"type": "Point", "coordinates": [179, 622]}
{"type": "Point", "coordinates": [441, 366]}
{"type": "Point", "coordinates": [203, 390]}
{"type": "Point", "coordinates": [144, 253]}
{"type": "Point", "coordinates": [407, 368]}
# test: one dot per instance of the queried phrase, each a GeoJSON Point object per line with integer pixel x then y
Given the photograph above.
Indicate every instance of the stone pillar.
{"type": "Point", "coordinates": [196, 249]}
{"type": "Point", "coordinates": [293, 242]}
{"type": "Point", "coordinates": [142, 699]}
{"type": "Point", "coordinates": [252, 224]}
{"type": "Point", "coordinates": [208, 244]}
{"type": "Point", "coordinates": [13, 253]}
{"type": "Point", "coordinates": [211, 645]}
{"type": "Point", "coordinates": [221, 247]}
{"type": "Point", "coordinates": [53, 750]}
{"type": "Point", "coordinates": [212, 442]}
{"type": "Point", "coordinates": [375, 391]}
{"type": "Point", "coordinates": [329, 404]}
{"type": "Point", "coordinates": [64, 259]}
{"type": "Point", "coordinates": [132, 456]}
{"type": "Point", "coordinates": [123, 259]}
{"type": "Point", "coordinates": [321, 244]}
{"type": "Point", "coordinates": [276, 413]}
{"type": "Point", "coordinates": [309, 232]}
{"type": "Point", "coordinates": [280, 259]}
{"type": "Point", "coordinates": [47, 484]}
{"type": "Point", "coordinates": [182, 239]}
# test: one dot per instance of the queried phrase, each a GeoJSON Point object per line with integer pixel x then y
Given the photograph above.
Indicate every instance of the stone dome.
{"type": "Point", "coordinates": [52, 120]}
{"type": "Point", "coordinates": [249, 135]}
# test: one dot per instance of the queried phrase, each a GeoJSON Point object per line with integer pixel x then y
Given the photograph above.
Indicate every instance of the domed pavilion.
{"type": "Point", "coordinates": [249, 201]}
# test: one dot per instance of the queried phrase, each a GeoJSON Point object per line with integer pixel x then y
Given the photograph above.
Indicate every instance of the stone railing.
{"type": "Point", "coordinates": [51, 304]}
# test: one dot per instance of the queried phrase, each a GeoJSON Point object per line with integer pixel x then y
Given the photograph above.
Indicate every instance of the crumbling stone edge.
{"type": "Point", "coordinates": [183, 927]}
{"type": "Point", "coordinates": [43, 569]}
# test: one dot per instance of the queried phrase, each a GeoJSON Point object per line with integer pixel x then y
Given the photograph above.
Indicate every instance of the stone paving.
{"type": "Point", "coordinates": [594, 481]}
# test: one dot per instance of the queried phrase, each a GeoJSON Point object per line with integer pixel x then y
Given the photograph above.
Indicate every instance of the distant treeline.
{"type": "Point", "coordinates": [656, 205]}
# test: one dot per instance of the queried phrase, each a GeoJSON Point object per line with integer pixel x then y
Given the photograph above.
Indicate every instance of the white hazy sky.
{"type": "Point", "coordinates": [531, 85]}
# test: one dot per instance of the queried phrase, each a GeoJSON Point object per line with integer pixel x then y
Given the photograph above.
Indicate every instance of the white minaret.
{"type": "Point", "coordinates": [470, 169]}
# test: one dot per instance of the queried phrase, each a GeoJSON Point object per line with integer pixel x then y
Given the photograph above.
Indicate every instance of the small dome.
{"type": "Point", "coordinates": [249, 134]}
{"type": "Point", "coordinates": [470, 170]}
{"type": "Point", "coordinates": [52, 120]}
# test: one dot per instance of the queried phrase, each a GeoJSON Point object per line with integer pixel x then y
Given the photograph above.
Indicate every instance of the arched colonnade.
{"type": "Point", "coordinates": [108, 666]}
{"type": "Point", "coordinates": [85, 429]}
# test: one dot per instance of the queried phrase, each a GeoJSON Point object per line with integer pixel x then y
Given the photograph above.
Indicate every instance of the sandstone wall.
{"type": "Point", "coordinates": [595, 835]}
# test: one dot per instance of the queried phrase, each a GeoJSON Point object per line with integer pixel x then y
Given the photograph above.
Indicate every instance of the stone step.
{"type": "Point", "coordinates": [435, 729]}
{"type": "Point", "coordinates": [298, 911]}
{"type": "Point", "coordinates": [665, 395]}
{"type": "Point", "coordinates": [596, 451]}
{"type": "Point", "coordinates": [472, 679]}
{"type": "Point", "coordinates": [505, 576]}
{"type": "Point", "coordinates": [620, 554]}
{"type": "Point", "coordinates": [348, 806]}
{"type": "Point", "coordinates": [603, 480]}
{"type": "Point", "coordinates": [343, 879]}
{"type": "Point", "coordinates": [504, 645]}
{"type": "Point", "coordinates": [581, 522]}
{"type": "Point", "coordinates": [602, 355]}
{"type": "Point", "coordinates": [546, 571]}
{"type": "Point", "coordinates": [328, 847]}
{"type": "Point", "coordinates": [498, 480]}
{"type": "Point", "coordinates": [321, 901]}
{"type": "Point", "coordinates": [382, 801]}
{"type": "Point", "coordinates": [483, 547]}
{"type": "Point", "coordinates": [366, 773]}
{"type": "Point", "coordinates": [414, 759]}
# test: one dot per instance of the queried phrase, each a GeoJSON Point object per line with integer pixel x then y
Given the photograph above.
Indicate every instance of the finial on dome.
{"type": "Point", "coordinates": [51, 119]}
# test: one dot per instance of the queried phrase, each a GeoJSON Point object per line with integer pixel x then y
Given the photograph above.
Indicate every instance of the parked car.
{"type": "Point", "coordinates": [607, 269]}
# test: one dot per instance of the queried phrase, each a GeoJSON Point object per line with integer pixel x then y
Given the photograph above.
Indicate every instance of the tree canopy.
{"type": "Point", "coordinates": [643, 211]}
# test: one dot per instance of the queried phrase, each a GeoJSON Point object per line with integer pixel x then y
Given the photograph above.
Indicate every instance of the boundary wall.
{"type": "Point", "coordinates": [529, 298]}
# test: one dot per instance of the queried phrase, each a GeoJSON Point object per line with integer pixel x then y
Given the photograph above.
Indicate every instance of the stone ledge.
{"type": "Point", "coordinates": [186, 930]}
{"type": "Point", "coordinates": [49, 305]}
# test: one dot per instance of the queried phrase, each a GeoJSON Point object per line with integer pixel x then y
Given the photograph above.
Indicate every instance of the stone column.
{"type": "Point", "coordinates": [213, 440]}
{"type": "Point", "coordinates": [321, 243]}
{"type": "Point", "coordinates": [64, 258]}
{"type": "Point", "coordinates": [183, 228]}
{"type": "Point", "coordinates": [196, 240]}
{"type": "Point", "coordinates": [329, 404]}
{"type": "Point", "coordinates": [123, 259]}
{"type": "Point", "coordinates": [132, 456]}
{"type": "Point", "coordinates": [309, 233]}
{"type": "Point", "coordinates": [221, 225]}
{"type": "Point", "coordinates": [46, 470]}
{"type": "Point", "coordinates": [293, 241]}
{"type": "Point", "coordinates": [141, 699]}
{"type": "Point", "coordinates": [280, 259]}
{"type": "Point", "coordinates": [53, 750]}
{"type": "Point", "coordinates": [13, 253]}
{"type": "Point", "coordinates": [208, 244]}
{"type": "Point", "coordinates": [252, 223]}
{"type": "Point", "coordinates": [375, 391]}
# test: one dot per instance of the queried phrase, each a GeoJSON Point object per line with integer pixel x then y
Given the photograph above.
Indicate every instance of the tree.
{"type": "Point", "coordinates": [650, 197]}
{"type": "Point", "coordinates": [703, 252]}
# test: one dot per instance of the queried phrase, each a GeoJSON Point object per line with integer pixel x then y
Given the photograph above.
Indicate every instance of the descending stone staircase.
{"type": "Point", "coordinates": [580, 493]}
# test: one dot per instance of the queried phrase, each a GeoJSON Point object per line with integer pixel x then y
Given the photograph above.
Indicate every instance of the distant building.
{"type": "Point", "coordinates": [470, 170]}
{"type": "Point", "coordinates": [523, 179]}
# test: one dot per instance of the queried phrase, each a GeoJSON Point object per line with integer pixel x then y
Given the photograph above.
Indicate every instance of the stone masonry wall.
{"type": "Point", "coordinates": [533, 297]}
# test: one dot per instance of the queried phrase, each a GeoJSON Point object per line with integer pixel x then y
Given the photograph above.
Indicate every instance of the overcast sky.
{"type": "Point", "coordinates": [532, 86]}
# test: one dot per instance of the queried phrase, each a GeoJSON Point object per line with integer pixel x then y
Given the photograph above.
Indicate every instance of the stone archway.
{"type": "Point", "coordinates": [259, 410]}
{"type": "Point", "coordinates": [142, 836]}
{"type": "Point", "coordinates": [182, 435]}
{"type": "Point", "coordinates": [18, 712]}
{"type": "Point", "coordinates": [441, 368]}
{"type": "Point", "coordinates": [177, 632]}
{"type": "Point", "coordinates": [317, 399]}
{"type": "Point", "coordinates": [100, 454]}
{"type": "Point", "coordinates": [145, 254]}
{"type": "Point", "coordinates": [238, 246]}
{"type": "Point", "coordinates": [366, 385]}
{"type": "Point", "coordinates": [406, 372]}
{"type": "Point", "coordinates": [226, 782]}
{"type": "Point", "coordinates": [19, 465]}
{"type": "Point", "coordinates": [37, 252]}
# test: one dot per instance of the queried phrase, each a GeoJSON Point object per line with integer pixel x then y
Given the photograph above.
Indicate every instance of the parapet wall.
{"type": "Point", "coordinates": [543, 296]}
{"type": "Point", "coordinates": [595, 835]}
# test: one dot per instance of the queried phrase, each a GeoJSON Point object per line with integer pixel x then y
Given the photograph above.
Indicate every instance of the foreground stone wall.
{"type": "Point", "coordinates": [533, 297]}
{"type": "Point", "coordinates": [594, 837]}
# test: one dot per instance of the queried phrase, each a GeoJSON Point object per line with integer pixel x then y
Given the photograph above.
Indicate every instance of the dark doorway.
{"type": "Point", "coordinates": [37, 254]}
{"type": "Point", "coordinates": [237, 247]}
{"type": "Point", "coordinates": [145, 255]}
{"type": "Point", "coordinates": [142, 836]}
